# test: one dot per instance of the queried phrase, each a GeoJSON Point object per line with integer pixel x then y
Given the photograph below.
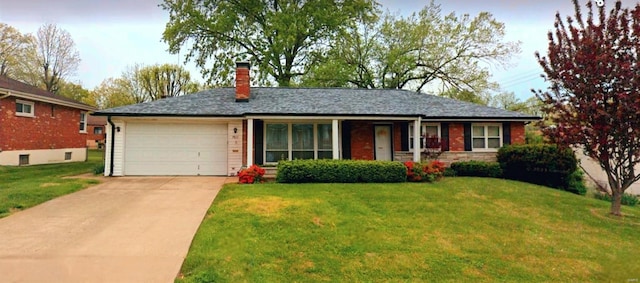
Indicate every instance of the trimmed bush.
{"type": "Point", "coordinates": [576, 183]}
{"type": "Point", "coordinates": [542, 164]}
{"type": "Point", "coordinates": [340, 171]}
{"type": "Point", "coordinates": [477, 169]}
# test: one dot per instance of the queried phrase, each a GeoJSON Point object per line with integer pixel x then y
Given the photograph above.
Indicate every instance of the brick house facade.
{"type": "Point", "coordinates": [96, 132]}
{"type": "Point", "coordinates": [38, 127]}
{"type": "Point", "coordinates": [218, 131]}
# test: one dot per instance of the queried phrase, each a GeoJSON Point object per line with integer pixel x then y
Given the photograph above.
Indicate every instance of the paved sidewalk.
{"type": "Point", "coordinates": [128, 229]}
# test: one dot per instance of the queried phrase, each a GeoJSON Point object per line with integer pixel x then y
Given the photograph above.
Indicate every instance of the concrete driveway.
{"type": "Point", "coordinates": [127, 229]}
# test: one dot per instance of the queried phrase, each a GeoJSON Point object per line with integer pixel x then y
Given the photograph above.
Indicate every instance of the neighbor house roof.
{"type": "Point", "coordinates": [96, 120]}
{"type": "Point", "coordinates": [313, 102]}
{"type": "Point", "coordinates": [19, 89]}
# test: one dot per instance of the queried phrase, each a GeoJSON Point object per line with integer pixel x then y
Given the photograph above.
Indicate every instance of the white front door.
{"type": "Point", "coordinates": [383, 142]}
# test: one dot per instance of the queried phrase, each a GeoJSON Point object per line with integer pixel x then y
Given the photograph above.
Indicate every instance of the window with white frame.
{"type": "Point", "coordinates": [429, 136]}
{"type": "Point", "coordinates": [297, 141]}
{"type": "Point", "coordinates": [24, 108]}
{"type": "Point", "coordinates": [83, 122]}
{"type": "Point", "coordinates": [486, 136]}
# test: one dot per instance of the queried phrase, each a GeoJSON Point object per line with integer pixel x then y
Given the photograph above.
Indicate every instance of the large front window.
{"type": "Point", "coordinates": [486, 136]}
{"type": "Point", "coordinates": [429, 136]}
{"type": "Point", "coordinates": [297, 141]}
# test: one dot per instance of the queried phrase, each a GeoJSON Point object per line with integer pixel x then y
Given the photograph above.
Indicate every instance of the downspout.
{"type": "Point", "coordinates": [113, 139]}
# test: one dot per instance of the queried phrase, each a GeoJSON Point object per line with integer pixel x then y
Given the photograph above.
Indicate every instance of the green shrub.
{"type": "Point", "coordinates": [627, 199]}
{"type": "Point", "coordinates": [449, 172]}
{"type": "Point", "coordinates": [576, 184]}
{"type": "Point", "coordinates": [477, 169]}
{"type": "Point", "coordinates": [542, 164]}
{"type": "Point", "coordinates": [340, 171]}
{"type": "Point", "coordinates": [98, 169]}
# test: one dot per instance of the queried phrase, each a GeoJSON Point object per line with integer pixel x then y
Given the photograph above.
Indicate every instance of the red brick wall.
{"type": "Point", "coordinates": [361, 140]}
{"type": "Point", "coordinates": [41, 131]}
{"type": "Point", "coordinates": [93, 137]}
{"type": "Point", "coordinates": [456, 137]}
{"type": "Point", "coordinates": [517, 133]}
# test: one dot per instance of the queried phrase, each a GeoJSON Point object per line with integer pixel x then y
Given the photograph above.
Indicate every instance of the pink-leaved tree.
{"type": "Point", "coordinates": [593, 100]}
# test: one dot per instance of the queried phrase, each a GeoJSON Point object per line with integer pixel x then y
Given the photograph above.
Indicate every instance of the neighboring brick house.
{"type": "Point", "coordinates": [37, 126]}
{"type": "Point", "coordinates": [219, 131]}
{"type": "Point", "coordinates": [96, 132]}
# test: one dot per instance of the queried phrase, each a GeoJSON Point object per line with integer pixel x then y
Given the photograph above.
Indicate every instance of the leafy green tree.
{"type": "Point", "coordinates": [281, 38]}
{"type": "Point", "coordinates": [12, 49]}
{"type": "Point", "coordinates": [167, 80]}
{"type": "Point", "coordinates": [74, 91]}
{"type": "Point", "coordinates": [139, 83]}
{"type": "Point", "coordinates": [425, 51]}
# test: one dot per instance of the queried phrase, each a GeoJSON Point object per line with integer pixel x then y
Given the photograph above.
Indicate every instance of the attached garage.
{"type": "Point", "coordinates": [152, 148]}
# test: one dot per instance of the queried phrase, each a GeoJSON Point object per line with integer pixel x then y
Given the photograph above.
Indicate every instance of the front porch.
{"type": "Point", "coordinates": [290, 138]}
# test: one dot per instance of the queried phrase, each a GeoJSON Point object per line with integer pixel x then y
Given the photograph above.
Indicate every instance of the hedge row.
{"type": "Point", "coordinates": [340, 171]}
{"type": "Point", "coordinates": [477, 169]}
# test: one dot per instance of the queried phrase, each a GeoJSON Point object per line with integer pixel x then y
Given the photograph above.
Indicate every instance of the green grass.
{"type": "Point", "coordinates": [460, 229]}
{"type": "Point", "coordinates": [27, 186]}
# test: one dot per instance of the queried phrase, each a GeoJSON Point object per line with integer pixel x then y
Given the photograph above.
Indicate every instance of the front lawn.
{"type": "Point", "coordinates": [460, 229]}
{"type": "Point", "coordinates": [27, 186]}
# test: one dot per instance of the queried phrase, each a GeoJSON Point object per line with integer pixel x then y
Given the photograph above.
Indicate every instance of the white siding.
{"type": "Point", "coordinates": [118, 154]}
{"type": "Point", "coordinates": [234, 155]}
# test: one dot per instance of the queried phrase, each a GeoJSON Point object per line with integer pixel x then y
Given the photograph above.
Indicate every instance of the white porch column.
{"type": "Point", "coordinates": [335, 146]}
{"type": "Point", "coordinates": [416, 139]}
{"type": "Point", "coordinates": [249, 142]}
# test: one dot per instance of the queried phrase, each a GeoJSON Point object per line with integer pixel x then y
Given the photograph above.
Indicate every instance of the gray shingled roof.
{"type": "Point", "coordinates": [314, 101]}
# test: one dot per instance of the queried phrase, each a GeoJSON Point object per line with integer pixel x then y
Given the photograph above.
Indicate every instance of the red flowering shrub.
{"type": "Point", "coordinates": [251, 175]}
{"type": "Point", "coordinates": [417, 172]}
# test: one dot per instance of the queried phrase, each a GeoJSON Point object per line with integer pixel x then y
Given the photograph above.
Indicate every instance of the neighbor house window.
{"type": "Point", "coordinates": [67, 156]}
{"type": "Point", "coordinates": [83, 122]}
{"type": "Point", "coordinates": [24, 108]}
{"type": "Point", "coordinates": [486, 136]}
{"type": "Point", "coordinates": [97, 131]}
{"type": "Point", "coordinates": [429, 136]}
{"type": "Point", "coordinates": [297, 141]}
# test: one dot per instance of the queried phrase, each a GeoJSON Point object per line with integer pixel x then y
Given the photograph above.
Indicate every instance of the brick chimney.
{"type": "Point", "coordinates": [242, 81]}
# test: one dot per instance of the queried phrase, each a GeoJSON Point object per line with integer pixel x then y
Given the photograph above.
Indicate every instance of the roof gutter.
{"type": "Point", "coordinates": [113, 139]}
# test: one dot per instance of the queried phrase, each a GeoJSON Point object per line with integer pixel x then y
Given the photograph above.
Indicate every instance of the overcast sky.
{"type": "Point", "coordinates": [113, 34]}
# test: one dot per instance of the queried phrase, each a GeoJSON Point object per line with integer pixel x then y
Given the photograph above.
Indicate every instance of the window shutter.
{"type": "Point", "coordinates": [506, 133]}
{"type": "Point", "coordinates": [258, 136]}
{"type": "Point", "coordinates": [346, 140]}
{"type": "Point", "coordinates": [444, 136]}
{"type": "Point", "coordinates": [467, 136]}
{"type": "Point", "coordinates": [404, 136]}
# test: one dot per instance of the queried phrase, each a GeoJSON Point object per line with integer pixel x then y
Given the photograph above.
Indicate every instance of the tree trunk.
{"type": "Point", "coordinates": [616, 201]}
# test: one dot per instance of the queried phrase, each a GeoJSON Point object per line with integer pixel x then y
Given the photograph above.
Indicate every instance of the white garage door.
{"type": "Point", "coordinates": [175, 149]}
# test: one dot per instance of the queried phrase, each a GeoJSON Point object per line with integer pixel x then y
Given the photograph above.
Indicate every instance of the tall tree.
{"type": "Point", "coordinates": [111, 92]}
{"type": "Point", "coordinates": [281, 38]}
{"type": "Point", "coordinates": [74, 91]}
{"type": "Point", "coordinates": [12, 48]}
{"type": "Point", "coordinates": [56, 56]}
{"type": "Point", "coordinates": [594, 96]}
{"type": "Point", "coordinates": [425, 51]}
{"type": "Point", "coordinates": [139, 83]}
{"type": "Point", "coordinates": [165, 80]}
